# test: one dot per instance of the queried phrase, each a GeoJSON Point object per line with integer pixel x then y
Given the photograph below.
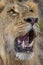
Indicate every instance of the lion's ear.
{"type": "Point", "coordinates": [2, 5]}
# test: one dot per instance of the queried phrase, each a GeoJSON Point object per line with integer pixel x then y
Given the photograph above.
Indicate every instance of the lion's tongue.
{"type": "Point", "coordinates": [24, 40]}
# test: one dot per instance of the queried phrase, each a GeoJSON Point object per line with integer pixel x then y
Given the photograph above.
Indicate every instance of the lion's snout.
{"type": "Point", "coordinates": [32, 21]}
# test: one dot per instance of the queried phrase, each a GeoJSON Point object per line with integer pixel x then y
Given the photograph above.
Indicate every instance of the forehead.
{"type": "Point", "coordinates": [23, 6]}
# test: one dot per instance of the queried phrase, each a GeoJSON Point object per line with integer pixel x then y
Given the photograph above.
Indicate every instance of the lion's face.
{"type": "Point", "coordinates": [21, 35]}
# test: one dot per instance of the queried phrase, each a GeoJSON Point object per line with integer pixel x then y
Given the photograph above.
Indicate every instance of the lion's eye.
{"type": "Point", "coordinates": [12, 11]}
{"type": "Point", "coordinates": [31, 10]}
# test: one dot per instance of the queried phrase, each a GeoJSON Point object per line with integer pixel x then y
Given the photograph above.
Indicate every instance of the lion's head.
{"type": "Point", "coordinates": [21, 32]}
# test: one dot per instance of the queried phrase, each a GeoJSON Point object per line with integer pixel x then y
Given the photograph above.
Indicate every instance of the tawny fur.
{"type": "Point", "coordinates": [9, 27]}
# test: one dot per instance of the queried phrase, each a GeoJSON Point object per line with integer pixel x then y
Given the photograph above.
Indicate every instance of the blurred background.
{"type": "Point", "coordinates": [40, 5]}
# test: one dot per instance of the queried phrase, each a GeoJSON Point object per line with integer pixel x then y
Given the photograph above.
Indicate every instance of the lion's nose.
{"type": "Point", "coordinates": [31, 20]}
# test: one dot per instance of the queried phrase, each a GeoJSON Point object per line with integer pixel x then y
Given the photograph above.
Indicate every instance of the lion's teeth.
{"type": "Point", "coordinates": [23, 44]}
{"type": "Point", "coordinates": [19, 41]}
{"type": "Point", "coordinates": [30, 45]}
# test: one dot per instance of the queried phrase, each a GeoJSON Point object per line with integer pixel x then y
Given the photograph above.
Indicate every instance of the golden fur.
{"type": "Point", "coordinates": [13, 25]}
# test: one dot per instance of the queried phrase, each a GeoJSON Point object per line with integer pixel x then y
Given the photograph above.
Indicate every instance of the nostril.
{"type": "Point", "coordinates": [31, 20]}
{"type": "Point", "coordinates": [28, 20]}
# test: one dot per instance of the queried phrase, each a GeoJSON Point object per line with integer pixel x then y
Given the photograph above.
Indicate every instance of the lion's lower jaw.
{"type": "Point", "coordinates": [23, 59]}
{"type": "Point", "coordinates": [32, 60]}
{"type": "Point", "coordinates": [20, 59]}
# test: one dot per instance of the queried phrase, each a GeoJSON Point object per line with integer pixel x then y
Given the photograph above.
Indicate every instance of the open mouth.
{"type": "Point", "coordinates": [25, 43]}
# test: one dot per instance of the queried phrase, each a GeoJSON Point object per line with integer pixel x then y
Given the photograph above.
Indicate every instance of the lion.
{"type": "Point", "coordinates": [19, 31]}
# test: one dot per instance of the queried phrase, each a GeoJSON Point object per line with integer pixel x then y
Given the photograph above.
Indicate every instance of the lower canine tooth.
{"type": "Point", "coordinates": [23, 44]}
{"type": "Point", "coordinates": [30, 45]}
